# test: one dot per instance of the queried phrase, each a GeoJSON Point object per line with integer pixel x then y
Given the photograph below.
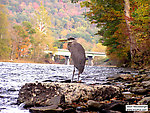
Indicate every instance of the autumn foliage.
{"type": "Point", "coordinates": [109, 15]}
{"type": "Point", "coordinates": [36, 26]}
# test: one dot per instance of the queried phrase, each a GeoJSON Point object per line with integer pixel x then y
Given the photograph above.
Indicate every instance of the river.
{"type": "Point", "coordinates": [14, 75]}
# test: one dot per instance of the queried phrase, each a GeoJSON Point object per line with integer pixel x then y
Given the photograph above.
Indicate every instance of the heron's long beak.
{"type": "Point", "coordinates": [63, 40]}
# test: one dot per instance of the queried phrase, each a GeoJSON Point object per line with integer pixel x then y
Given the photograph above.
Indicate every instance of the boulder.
{"type": "Point", "coordinates": [94, 105]}
{"type": "Point", "coordinates": [147, 78]}
{"type": "Point", "coordinates": [127, 95]}
{"type": "Point", "coordinates": [53, 93]}
{"type": "Point", "coordinates": [144, 101]}
{"type": "Point", "coordinates": [115, 106]}
{"type": "Point", "coordinates": [47, 109]}
{"type": "Point", "coordinates": [36, 94]}
{"type": "Point", "coordinates": [146, 84]}
{"type": "Point", "coordinates": [121, 77]}
{"type": "Point", "coordinates": [126, 76]}
{"type": "Point", "coordinates": [139, 90]}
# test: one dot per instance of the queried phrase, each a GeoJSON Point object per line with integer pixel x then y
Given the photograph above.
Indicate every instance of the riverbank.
{"type": "Point", "coordinates": [28, 61]}
{"type": "Point", "coordinates": [111, 97]}
{"type": "Point", "coordinates": [18, 61]}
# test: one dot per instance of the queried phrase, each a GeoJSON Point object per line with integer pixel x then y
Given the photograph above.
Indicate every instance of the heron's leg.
{"type": "Point", "coordinates": [78, 76]}
{"type": "Point", "coordinates": [73, 74]}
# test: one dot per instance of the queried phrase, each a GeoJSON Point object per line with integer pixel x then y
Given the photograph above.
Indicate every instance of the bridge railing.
{"type": "Point", "coordinates": [64, 52]}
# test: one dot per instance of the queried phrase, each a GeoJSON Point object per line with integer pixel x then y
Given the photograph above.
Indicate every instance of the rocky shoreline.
{"type": "Point", "coordinates": [111, 97]}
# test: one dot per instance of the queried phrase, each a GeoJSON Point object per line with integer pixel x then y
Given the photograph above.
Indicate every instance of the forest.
{"type": "Point", "coordinates": [125, 29]}
{"type": "Point", "coordinates": [121, 27]}
{"type": "Point", "coordinates": [32, 26]}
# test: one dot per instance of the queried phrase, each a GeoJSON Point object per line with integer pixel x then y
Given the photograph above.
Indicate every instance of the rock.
{"type": "Point", "coordinates": [47, 94]}
{"type": "Point", "coordinates": [107, 83]}
{"type": "Point", "coordinates": [47, 81]}
{"type": "Point", "coordinates": [81, 109]}
{"type": "Point", "coordinates": [115, 77]}
{"type": "Point", "coordinates": [145, 83]}
{"type": "Point", "coordinates": [128, 85]}
{"type": "Point", "coordinates": [127, 95]}
{"type": "Point", "coordinates": [144, 101]}
{"type": "Point", "coordinates": [108, 111]}
{"type": "Point", "coordinates": [104, 93]}
{"type": "Point", "coordinates": [123, 72]}
{"type": "Point", "coordinates": [47, 109]}
{"type": "Point", "coordinates": [116, 106]}
{"type": "Point", "coordinates": [112, 111]}
{"type": "Point", "coordinates": [147, 78]}
{"type": "Point", "coordinates": [36, 94]}
{"type": "Point", "coordinates": [126, 76]}
{"type": "Point", "coordinates": [121, 77]}
{"type": "Point", "coordinates": [70, 110]}
{"type": "Point", "coordinates": [136, 84]}
{"type": "Point", "coordinates": [141, 77]}
{"type": "Point", "coordinates": [94, 104]}
{"type": "Point", "coordinates": [139, 90]}
{"type": "Point", "coordinates": [120, 107]}
{"type": "Point", "coordinates": [141, 71]}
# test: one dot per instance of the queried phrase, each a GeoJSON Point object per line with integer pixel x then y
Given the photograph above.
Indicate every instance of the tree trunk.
{"type": "Point", "coordinates": [132, 40]}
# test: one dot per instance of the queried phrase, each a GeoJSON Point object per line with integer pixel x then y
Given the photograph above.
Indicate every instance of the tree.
{"type": "Point", "coordinates": [121, 23]}
{"type": "Point", "coordinates": [139, 25]}
{"type": "Point", "coordinates": [43, 38]}
{"type": "Point", "coordinates": [133, 45]}
{"type": "Point", "coordinates": [24, 39]}
{"type": "Point", "coordinates": [108, 15]}
{"type": "Point", "coordinates": [5, 40]}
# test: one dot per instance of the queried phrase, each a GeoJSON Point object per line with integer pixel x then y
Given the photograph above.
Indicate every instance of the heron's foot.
{"type": "Point", "coordinates": [79, 81]}
{"type": "Point", "coordinates": [76, 81]}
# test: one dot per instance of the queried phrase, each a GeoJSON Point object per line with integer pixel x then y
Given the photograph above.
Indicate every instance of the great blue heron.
{"type": "Point", "coordinates": [77, 55]}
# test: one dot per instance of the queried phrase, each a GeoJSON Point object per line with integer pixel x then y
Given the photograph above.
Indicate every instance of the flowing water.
{"type": "Point", "coordinates": [14, 75]}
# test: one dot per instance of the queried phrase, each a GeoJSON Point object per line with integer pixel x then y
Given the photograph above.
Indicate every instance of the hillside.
{"type": "Point", "coordinates": [67, 19]}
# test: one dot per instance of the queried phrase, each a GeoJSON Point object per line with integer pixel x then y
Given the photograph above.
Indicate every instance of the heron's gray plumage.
{"type": "Point", "coordinates": [77, 55]}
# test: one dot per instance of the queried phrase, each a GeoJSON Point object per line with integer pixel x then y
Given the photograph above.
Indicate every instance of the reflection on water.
{"type": "Point", "coordinates": [14, 75]}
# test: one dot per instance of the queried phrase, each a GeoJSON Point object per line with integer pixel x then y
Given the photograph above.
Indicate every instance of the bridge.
{"type": "Point", "coordinates": [64, 52]}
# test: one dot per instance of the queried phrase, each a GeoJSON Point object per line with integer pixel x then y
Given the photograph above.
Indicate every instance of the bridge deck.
{"type": "Point", "coordinates": [65, 52]}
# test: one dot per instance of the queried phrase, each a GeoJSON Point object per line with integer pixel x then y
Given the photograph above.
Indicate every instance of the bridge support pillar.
{"type": "Point", "coordinates": [90, 60]}
{"type": "Point", "coordinates": [53, 57]}
{"type": "Point", "coordinates": [67, 62]}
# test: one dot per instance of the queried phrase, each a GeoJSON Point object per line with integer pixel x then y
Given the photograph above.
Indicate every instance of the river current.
{"type": "Point", "coordinates": [15, 75]}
